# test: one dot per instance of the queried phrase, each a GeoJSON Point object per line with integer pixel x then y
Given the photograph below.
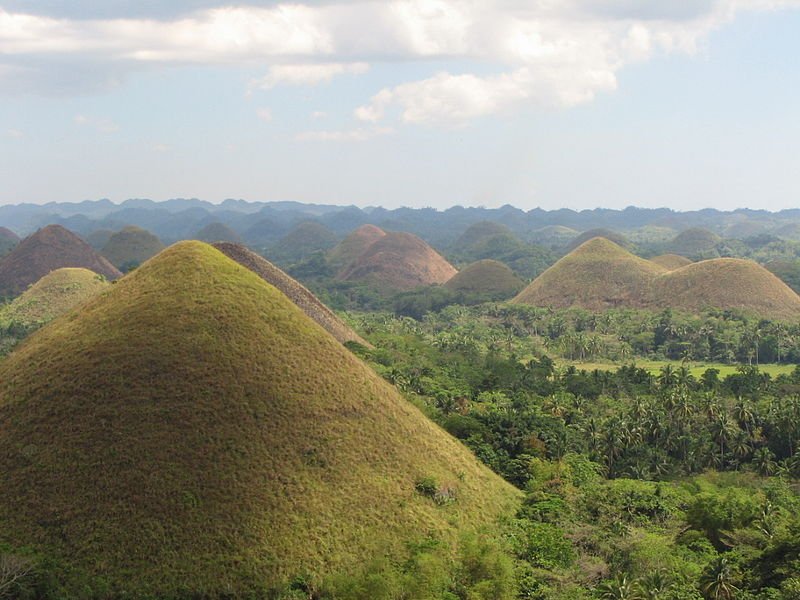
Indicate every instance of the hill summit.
{"type": "Point", "coordinates": [354, 245]}
{"type": "Point", "coordinates": [131, 246]}
{"type": "Point", "coordinates": [399, 261]}
{"type": "Point", "coordinates": [292, 289]}
{"type": "Point", "coordinates": [488, 277]}
{"type": "Point", "coordinates": [50, 248]}
{"type": "Point", "coordinates": [191, 433]}
{"type": "Point", "coordinates": [597, 275]}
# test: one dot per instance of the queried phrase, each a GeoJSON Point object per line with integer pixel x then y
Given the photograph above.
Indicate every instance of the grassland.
{"type": "Point", "coordinates": [192, 433]}
{"type": "Point", "coordinates": [696, 368]}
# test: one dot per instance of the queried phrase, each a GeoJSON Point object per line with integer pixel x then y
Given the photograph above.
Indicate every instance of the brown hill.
{"type": "Point", "coordinates": [52, 247]}
{"type": "Point", "coordinates": [294, 290]}
{"type": "Point", "coordinates": [486, 277]}
{"type": "Point", "coordinates": [727, 284]}
{"type": "Point", "coordinates": [671, 261]}
{"type": "Point", "coordinates": [192, 434]}
{"type": "Point", "coordinates": [597, 275]}
{"type": "Point", "coordinates": [354, 245]}
{"type": "Point", "coordinates": [399, 261]}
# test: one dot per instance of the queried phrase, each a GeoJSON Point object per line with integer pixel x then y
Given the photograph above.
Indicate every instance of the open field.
{"type": "Point", "coordinates": [696, 368]}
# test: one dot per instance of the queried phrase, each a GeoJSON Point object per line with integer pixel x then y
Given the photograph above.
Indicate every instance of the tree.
{"type": "Point", "coordinates": [716, 583]}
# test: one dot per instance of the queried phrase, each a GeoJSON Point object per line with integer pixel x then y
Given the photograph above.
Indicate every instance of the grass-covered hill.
{"type": "Point", "coordinates": [217, 232]}
{"type": "Point", "coordinates": [486, 277]}
{"type": "Point", "coordinates": [597, 275]}
{"type": "Point", "coordinates": [399, 261]}
{"type": "Point", "coordinates": [671, 261]}
{"type": "Point", "coordinates": [51, 296]}
{"type": "Point", "coordinates": [613, 236]}
{"type": "Point", "coordinates": [99, 238]}
{"type": "Point", "coordinates": [354, 245]}
{"type": "Point", "coordinates": [50, 248]}
{"type": "Point", "coordinates": [727, 283]}
{"type": "Point", "coordinates": [303, 239]}
{"type": "Point", "coordinates": [695, 243]}
{"type": "Point", "coordinates": [554, 236]}
{"type": "Point", "coordinates": [192, 433]}
{"type": "Point", "coordinates": [130, 247]}
{"type": "Point", "coordinates": [294, 290]}
{"type": "Point", "coordinates": [478, 233]}
{"type": "Point", "coordinates": [8, 239]}
{"type": "Point", "coordinates": [787, 271]}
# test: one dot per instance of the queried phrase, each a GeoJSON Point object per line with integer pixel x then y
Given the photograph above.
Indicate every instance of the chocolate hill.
{"type": "Point", "coordinates": [131, 246]}
{"type": "Point", "coordinates": [486, 277]}
{"type": "Point", "coordinates": [50, 248]}
{"type": "Point", "coordinates": [399, 261]}
{"type": "Point", "coordinates": [671, 261]}
{"type": "Point", "coordinates": [597, 275]}
{"type": "Point", "coordinates": [354, 245]}
{"type": "Point", "coordinates": [217, 232]}
{"type": "Point", "coordinates": [191, 433]}
{"type": "Point", "coordinates": [294, 290]}
{"type": "Point", "coordinates": [695, 243]}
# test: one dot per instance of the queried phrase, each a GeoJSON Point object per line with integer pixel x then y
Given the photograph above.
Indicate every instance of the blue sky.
{"type": "Point", "coordinates": [578, 103]}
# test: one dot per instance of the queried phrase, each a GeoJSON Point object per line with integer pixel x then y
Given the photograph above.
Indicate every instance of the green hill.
{"type": "Point", "coordinates": [99, 238]}
{"type": "Point", "coordinates": [191, 433]}
{"type": "Point", "coordinates": [695, 243]}
{"type": "Point", "coordinates": [51, 296]}
{"type": "Point", "coordinates": [217, 232]}
{"type": "Point", "coordinates": [477, 233]}
{"type": "Point", "coordinates": [294, 290]}
{"type": "Point", "coordinates": [486, 277]}
{"type": "Point", "coordinates": [303, 240]}
{"type": "Point", "coordinates": [354, 245]}
{"type": "Point", "coordinates": [596, 276]}
{"type": "Point", "coordinates": [613, 236]}
{"type": "Point", "coordinates": [131, 247]}
{"type": "Point", "coordinates": [8, 240]}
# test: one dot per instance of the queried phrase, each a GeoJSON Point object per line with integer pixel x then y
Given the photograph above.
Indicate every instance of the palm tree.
{"type": "Point", "coordinates": [717, 581]}
{"type": "Point", "coordinates": [619, 588]}
{"type": "Point", "coordinates": [764, 461]}
{"type": "Point", "coordinates": [656, 585]}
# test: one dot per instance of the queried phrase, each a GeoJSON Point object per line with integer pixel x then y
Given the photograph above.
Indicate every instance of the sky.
{"type": "Point", "coordinates": [536, 103]}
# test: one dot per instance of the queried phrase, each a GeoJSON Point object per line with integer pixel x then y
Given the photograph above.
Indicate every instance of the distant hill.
{"type": "Point", "coordinates": [8, 240]}
{"type": "Point", "coordinates": [264, 231]}
{"type": "Point", "coordinates": [597, 275]}
{"type": "Point", "coordinates": [695, 243]}
{"type": "Point", "coordinates": [354, 245]}
{"type": "Point", "coordinates": [295, 291]}
{"type": "Point", "coordinates": [192, 434]}
{"type": "Point", "coordinates": [727, 284]}
{"type": "Point", "coordinates": [399, 261]}
{"type": "Point", "coordinates": [99, 238]}
{"type": "Point", "coordinates": [617, 238]}
{"type": "Point", "coordinates": [478, 233]}
{"type": "Point", "coordinates": [787, 271]}
{"type": "Point", "coordinates": [50, 248]}
{"type": "Point", "coordinates": [554, 236]}
{"type": "Point", "coordinates": [486, 277]}
{"type": "Point", "coordinates": [600, 275]}
{"type": "Point", "coordinates": [217, 232]}
{"type": "Point", "coordinates": [303, 240]}
{"type": "Point", "coordinates": [51, 296]}
{"type": "Point", "coordinates": [671, 261]}
{"type": "Point", "coordinates": [131, 247]}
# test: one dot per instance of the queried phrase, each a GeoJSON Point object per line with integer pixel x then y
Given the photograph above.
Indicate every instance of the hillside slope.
{"type": "Point", "coordinates": [131, 247]}
{"type": "Point", "coordinates": [191, 433]}
{"type": "Point", "coordinates": [354, 245]}
{"type": "Point", "coordinates": [293, 289]}
{"type": "Point", "coordinates": [671, 261]}
{"type": "Point", "coordinates": [486, 277]}
{"type": "Point", "coordinates": [50, 248]}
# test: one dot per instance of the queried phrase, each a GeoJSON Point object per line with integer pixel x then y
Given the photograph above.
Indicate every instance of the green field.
{"type": "Point", "coordinates": [696, 368]}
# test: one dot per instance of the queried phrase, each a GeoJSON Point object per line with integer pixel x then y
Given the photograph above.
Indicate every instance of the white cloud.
{"type": "Point", "coordinates": [546, 53]}
{"type": "Point", "coordinates": [352, 135]}
{"type": "Point", "coordinates": [264, 114]}
{"type": "Point", "coordinates": [307, 74]}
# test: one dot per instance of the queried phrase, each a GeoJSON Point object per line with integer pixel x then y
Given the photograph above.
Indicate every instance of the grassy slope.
{"type": "Point", "coordinates": [597, 275]}
{"type": "Point", "coordinates": [193, 430]}
{"type": "Point", "coordinates": [131, 245]}
{"type": "Point", "coordinates": [51, 296]}
{"type": "Point", "coordinates": [486, 276]}
{"type": "Point", "coordinates": [697, 369]}
{"type": "Point", "coordinates": [671, 261]}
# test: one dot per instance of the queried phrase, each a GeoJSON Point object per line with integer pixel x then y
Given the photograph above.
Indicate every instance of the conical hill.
{"type": "Point", "coordinates": [671, 261]}
{"type": "Point", "coordinates": [191, 433]}
{"type": "Point", "coordinates": [130, 247]}
{"type": "Point", "coordinates": [486, 277]}
{"type": "Point", "coordinates": [354, 245]}
{"type": "Point", "coordinates": [51, 296]}
{"type": "Point", "coordinates": [400, 261]}
{"type": "Point", "coordinates": [727, 284]}
{"type": "Point", "coordinates": [597, 275]}
{"type": "Point", "coordinates": [50, 248]}
{"type": "Point", "coordinates": [293, 289]}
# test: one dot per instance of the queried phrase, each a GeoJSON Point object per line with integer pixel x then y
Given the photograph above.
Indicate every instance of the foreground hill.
{"type": "Point", "coordinates": [50, 248]}
{"type": "Point", "coordinates": [294, 290]}
{"type": "Point", "coordinates": [51, 296]}
{"type": "Point", "coordinates": [488, 277]}
{"type": "Point", "coordinates": [191, 433]}
{"type": "Point", "coordinates": [727, 284]}
{"type": "Point", "coordinates": [130, 247]}
{"type": "Point", "coordinates": [596, 276]}
{"type": "Point", "coordinates": [399, 261]}
{"type": "Point", "coordinates": [354, 245]}
{"type": "Point", "coordinates": [671, 261]}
